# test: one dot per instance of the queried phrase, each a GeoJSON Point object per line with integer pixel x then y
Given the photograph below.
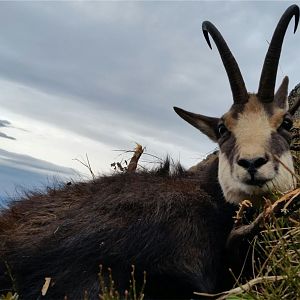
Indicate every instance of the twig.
{"type": "Point", "coordinates": [281, 205]}
{"type": "Point", "coordinates": [135, 158]}
{"type": "Point", "coordinates": [245, 287]}
{"type": "Point", "coordinates": [132, 151]}
{"type": "Point", "coordinates": [46, 286]}
{"type": "Point", "coordinates": [87, 165]}
{"type": "Point", "coordinates": [242, 207]}
{"type": "Point", "coordinates": [9, 271]}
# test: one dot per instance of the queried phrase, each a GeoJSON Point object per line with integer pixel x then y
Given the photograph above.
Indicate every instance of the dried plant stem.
{"type": "Point", "coordinates": [281, 205]}
{"type": "Point", "coordinates": [138, 151]}
{"type": "Point", "coordinates": [11, 277]}
{"type": "Point", "coordinates": [87, 165]}
{"type": "Point", "coordinates": [287, 168]}
{"type": "Point", "coordinates": [242, 207]}
{"type": "Point", "coordinates": [245, 287]}
{"type": "Point", "coordinates": [46, 286]}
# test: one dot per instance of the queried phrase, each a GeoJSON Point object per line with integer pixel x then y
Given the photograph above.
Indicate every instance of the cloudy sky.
{"type": "Point", "coordinates": [92, 77]}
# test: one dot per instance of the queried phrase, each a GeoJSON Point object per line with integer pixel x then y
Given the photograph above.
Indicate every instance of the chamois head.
{"type": "Point", "coordinates": [253, 135]}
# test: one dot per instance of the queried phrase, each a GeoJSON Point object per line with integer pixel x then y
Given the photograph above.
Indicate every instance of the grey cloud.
{"type": "Point", "coordinates": [5, 123]}
{"type": "Point", "coordinates": [23, 172]}
{"type": "Point", "coordinates": [27, 162]}
{"type": "Point", "coordinates": [122, 66]}
{"type": "Point", "coordinates": [3, 135]}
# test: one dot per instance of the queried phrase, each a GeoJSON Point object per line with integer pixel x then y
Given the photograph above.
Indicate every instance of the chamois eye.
{"type": "Point", "coordinates": [287, 124]}
{"type": "Point", "coordinates": [222, 129]}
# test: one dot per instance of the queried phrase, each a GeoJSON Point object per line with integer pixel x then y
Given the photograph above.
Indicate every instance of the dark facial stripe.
{"type": "Point", "coordinates": [237, 109]}
{"type": "Point", "coordinates": [228, 147]}
{"type": "Point", "coordinates": [279, 142]}
{"type": "Point", "coordinates": [269, 109]}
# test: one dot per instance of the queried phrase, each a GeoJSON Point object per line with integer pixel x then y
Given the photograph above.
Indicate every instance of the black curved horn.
{"type": "Point", "coordinates": [238, 88]}
{"type": "Point", "coordinates": [269, 70]}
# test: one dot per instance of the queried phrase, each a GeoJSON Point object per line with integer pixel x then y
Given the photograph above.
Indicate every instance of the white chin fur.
{"type": "Point", "coordinates": [235, 191]}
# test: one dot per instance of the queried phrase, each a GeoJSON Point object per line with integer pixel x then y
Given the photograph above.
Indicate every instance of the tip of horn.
{"type": "Point", "coordinates": [295, 9]}
{"type": "Point", "coordinates": [205, 24]}
{"type": "Point", "coordinates": [177, 109]}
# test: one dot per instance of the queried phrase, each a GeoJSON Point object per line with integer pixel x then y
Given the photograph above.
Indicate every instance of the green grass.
{"type": "Point", "coordinates": [109, 292]}
{"type": "Point", "coordinates": [277, 266]}
{"type": "Point", "coordinates": [9, 296]}
{"type": "Point", "coordinates": [275, 260]}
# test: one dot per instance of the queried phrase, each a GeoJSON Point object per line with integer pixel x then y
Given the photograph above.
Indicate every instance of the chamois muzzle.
{"type": "Point", "coordinates": [269, 70]}
{"type": "Point", "coordinates": [237, 84]}
{"type": "Point", "coordinates": [252, 166]}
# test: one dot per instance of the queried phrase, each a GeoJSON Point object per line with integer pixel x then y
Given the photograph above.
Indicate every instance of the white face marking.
{"type": "Point", "coordinates": [252, 131]}
{"type": "Point", "coordinates": [235, 191]}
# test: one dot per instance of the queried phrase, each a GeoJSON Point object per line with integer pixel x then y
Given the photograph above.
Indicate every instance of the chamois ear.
{"type": "Point", "coordinates": [207, 125]}
{"type": "Point", "coordinates": [280, 98]}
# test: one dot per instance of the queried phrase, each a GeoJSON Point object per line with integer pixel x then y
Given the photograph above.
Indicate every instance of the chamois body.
{"type": "Point", "coordinates": [172, 226]}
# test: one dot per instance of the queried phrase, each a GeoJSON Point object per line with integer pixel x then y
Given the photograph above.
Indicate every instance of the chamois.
{"type": "Point", "coordinates": [172, 225]}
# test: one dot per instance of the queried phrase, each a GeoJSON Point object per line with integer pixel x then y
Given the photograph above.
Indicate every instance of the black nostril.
{"type": "Point", "coordinates": [252, 164]}
{"type": "Point", "coordinates": [245, 163]}
{"type": "Point", "coordinates": [258, 162]}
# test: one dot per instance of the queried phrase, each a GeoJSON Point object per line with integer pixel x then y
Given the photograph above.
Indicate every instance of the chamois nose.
{"type": "Point", "coordinates": [252, 164]}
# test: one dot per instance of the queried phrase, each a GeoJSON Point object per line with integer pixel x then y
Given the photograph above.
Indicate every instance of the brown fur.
{"type": "Point", "coordinates": [172, 226]}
